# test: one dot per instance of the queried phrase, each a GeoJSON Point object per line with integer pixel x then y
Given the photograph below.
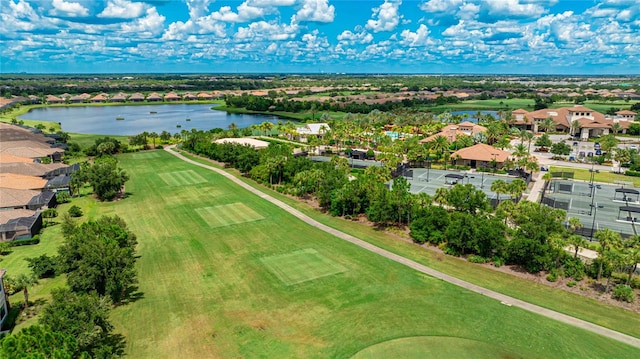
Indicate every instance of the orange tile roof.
{"type": "Point", "coordinates": [481, 152]}
{"type": "Point", "coordinates": [10, 197]}
{"type": "Point", "coordinates": [626, 112]}
{"type": "Point", "coordinates": [6, 216]}
{"type": "Point", "coordinates": [11, 180]}
{"type": "Point", "coordinates": [9, 158]}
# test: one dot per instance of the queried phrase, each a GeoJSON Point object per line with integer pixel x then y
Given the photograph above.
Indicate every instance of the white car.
{"type": "Point", "coordinates": [633, 147]}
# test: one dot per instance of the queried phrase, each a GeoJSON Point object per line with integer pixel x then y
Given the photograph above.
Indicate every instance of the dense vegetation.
{"type": "Point", "coordinates": [98, 259]}
{"type": "Point", "coordinates": [462, 223]}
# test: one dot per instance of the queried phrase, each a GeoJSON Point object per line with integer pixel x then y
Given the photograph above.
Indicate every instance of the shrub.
{"type": "Point", "coordinates": [477, 259]}
{"type": "Point", "coordinates": [63, 197]}
{"type": "Point", "coordinates": [498, 261]}
{"type": "Point", "coordinates": [623, 293]}
{"type": "Point", "coordinates": [632, 173]}
{"type": "Point", "coordinates": [159, 147]}
{"type": "Point", "coordinates": [43, 266]}
{"type": "Point", "coordinates": [574, 267]}
{"type": "Point", "coordinates": [553, 275]}
{"type": "Point", "coordinates": [75, 211]}
{"type": "Point", "coordinates": [571, 283]}
{"type": "Point", "coordinates": [25, 242]}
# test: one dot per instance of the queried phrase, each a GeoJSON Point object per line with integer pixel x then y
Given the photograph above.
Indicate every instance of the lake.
{"type": "Point", "coordinates": [101, 120]}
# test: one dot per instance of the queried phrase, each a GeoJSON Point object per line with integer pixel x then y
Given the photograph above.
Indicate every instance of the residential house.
{"type": "Point", "coordinates": [480, 155]}
{"type": "Point", "coordinates": [189, 97]}
{"type": "Point", "coordinates": [171, 96]}
{"type": "Point", "coordinates": [53, 100]}
{"type": "Point", "coordinates": [11, 198]}
{"type": "Point", "coordinates": [4, 303]}
{"type": "Point", "coordinates": [153, 97]}
{"type": "Point", "coordinates": [99, 98]}
{"type": "Point", "coordinates": [16, 181]}
{"type": "Point", "coordinates": [136, 97]}
{"type": "Point", "coordinates": [119, 97]}
{"type": "Point", "coordinates": [205, 96]}
{"type": "Point", "coordinates": [19, 224]}
{"type": "Point", "coordinates": [452, 132]}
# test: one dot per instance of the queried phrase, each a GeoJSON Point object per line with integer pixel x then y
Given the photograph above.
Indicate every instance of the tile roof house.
{"type": "Point", "coordinates": [19, 224]}
{"type": "Point", "coordinates": [53, 99]}
{"type": "Point", "coordinates": [451, 132]}
{"type": "Point", "coordinates": [7, 158]}
{"type": "Point", "coordinates": [79, 98]}
{"type": "Point", "coordinates": [136, 97]}
{"type": "Point", "coordinates": [153, 97]}
{"type": "Point", "coordinates": [189, 97]}
{"type": "Point", "coordinates": [205, 96]}
{"type": "Point", "coordinates": [480, 155]}
{"type": "Point", "coordinates": [578, 120]}
{"type": "Point", "coordinates": [31, 169]}
{"type": "Point", "coordinates": [171, 96]}
{"type": "Point", "coordinates": [11, 198]}
{"type": "Point", "coordinates": [102, 97]}
{"type": "Point", "coordinates": [119, 97]}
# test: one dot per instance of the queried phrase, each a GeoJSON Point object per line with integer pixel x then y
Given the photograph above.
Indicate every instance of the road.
{"type": "Point", "coordinates": [504, 299]}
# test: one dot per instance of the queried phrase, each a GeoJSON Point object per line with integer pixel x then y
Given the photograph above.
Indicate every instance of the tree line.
{"type": "Point", "coordinates": [98, 259]}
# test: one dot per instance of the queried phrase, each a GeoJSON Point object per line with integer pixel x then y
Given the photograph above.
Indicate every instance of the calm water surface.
{"type": "Point", "coordinates": [102, 119]}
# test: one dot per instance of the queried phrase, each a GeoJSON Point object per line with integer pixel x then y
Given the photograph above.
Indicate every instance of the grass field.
{"type": "Point", "coordinates": [277, 287]}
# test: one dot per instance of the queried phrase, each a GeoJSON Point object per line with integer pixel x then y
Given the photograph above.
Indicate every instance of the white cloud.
{"type": "Point", "coordinates": [514, 8]}
{"type": "Point", "coordinates": [418, 38]}
{"type": "Point", "coordinates": [446, 6]}
{"type": "Point", "coordinates": [351, 38]}
{"type": "Point", "coordinates": [315, 11]}
{"type": "Point", "coordinates": [123, 9]}
{"type": "Point", "coordinates": [272, 48]}
{"type": "Point", "coordinates": [72, 9]}
{"type": "Point", "coordinates": [262, 30]}
{"type": "Point", "coordinates": [387, 16]}
{"type": "Point", "coordinates": [198, 8]}
{"type": "Point", "coordinates": [468, 11]}
{"type": "Point", "coordinates": [150, 25]}
{"type": "Point", "coordinates": [245, 13]}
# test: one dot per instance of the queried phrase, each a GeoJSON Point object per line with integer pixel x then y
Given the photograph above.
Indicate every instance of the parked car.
{"type": "Point", "coordinates": [596, 146]}
{"type": "Point", "coordinates": [575, 143]}
{"type": "Point", "coordinates": [590, 154]}
{"type": "Point", "coordinates": [598, 152]}
{"type": "Point", "coordinates": [633, 147]}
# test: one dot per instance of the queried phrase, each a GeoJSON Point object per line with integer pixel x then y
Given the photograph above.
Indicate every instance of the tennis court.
{"type": "Point", "coordinates": [597, 205]}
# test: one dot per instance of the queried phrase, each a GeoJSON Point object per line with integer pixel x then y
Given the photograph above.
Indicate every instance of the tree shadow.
{"type": "Point", "coordinates": [115, 343]}
{"type": "Point", "coordinates": [132, 295]}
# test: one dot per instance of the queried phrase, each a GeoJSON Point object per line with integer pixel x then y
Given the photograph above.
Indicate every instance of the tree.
{"type": "Point", "coordinates": [25, 281]}
{"type": "Point", "coordinates": [154, 136]}
{"type": "Point", "coordinates": [516, 187]}
{"type": "Point", "coordinates": [560, 148]}
{"type": "Point", "coordinates": [37, 341]}
{"type": "Point", "coordinates": [42, 266]}
{"type": "Point", "coordinates": [105, 177]}
{"type": "Point", "coordinates": [75, 211]}
{"type": "Point", "coordinates": [82, 316]}
{"type": "Point", "coordinates": [99, 256]}
{"type": "Point", "coordinates": [547, 125]}
{"type": "Point", "coordinates": [466, 198]}
{"type": "Point", "coordinates": [576, 241]}
{"type": "Point", "coordinates": [544, 141]}
{"type": "Point", "coordinates": [499, 186]}
{"type": "Point", "coordinates": [608, 240]}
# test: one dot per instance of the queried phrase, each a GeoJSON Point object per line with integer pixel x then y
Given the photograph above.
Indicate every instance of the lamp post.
{"type": "Point", "coordinates": [428, 166]}
{"type": "Point", "coordinates": [593, 196]}
{"type": "Point", "coordinates": [594, 207]}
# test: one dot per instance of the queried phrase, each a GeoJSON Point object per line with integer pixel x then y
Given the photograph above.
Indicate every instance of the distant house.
{"type": "Point", "coordinates": [205, 96]}
{"type": "Point", "coordinates": [19, 224]}
{"type": "Point", "coordinates": [153, 97]}
{"type": "Point", "coordinates": [120, 97]}
{"type": "Point", "coordinates": [189, 97]}
{"type": "Point", "coordinates": [15, 181]}
{"type": "Point", "coordinates": [53, 99]}
{"type": "Point", "coordinates": [136, 97]}
{"type": "Point", "coordinates": [26, 199]}
{"type": "Point", "coordinates": [171, 96]}
{"type": "Point", "coordinates": [480, 155]}
{"type": "Point", "coordinates": [4, 303]}
{"type": "Point", "coordinates": [79, 98]}
{"type": "Point", "coordinates": [452, 132]}
{"type": "Point", "coordinates": [103, 97]}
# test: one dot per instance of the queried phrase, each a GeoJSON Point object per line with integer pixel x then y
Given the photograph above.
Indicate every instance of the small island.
{"type": "Point", "coordinates": [119, 118]}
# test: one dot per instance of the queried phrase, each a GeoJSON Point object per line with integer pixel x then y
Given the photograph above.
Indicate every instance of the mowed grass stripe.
{"type": "Point", "coordinates": [228, 214]}
{"type": "Point", "coordinates": [208, 298]}
{"type": "Point", "coordinates": [146, 155]}
{"type": "Point", "coordinates": [181, 178]}
{"type": "Point", "coordinates": [301, 266]}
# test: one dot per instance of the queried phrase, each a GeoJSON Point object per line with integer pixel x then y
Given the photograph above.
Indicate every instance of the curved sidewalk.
{"type": "Point", "coordinates": [421, 268]}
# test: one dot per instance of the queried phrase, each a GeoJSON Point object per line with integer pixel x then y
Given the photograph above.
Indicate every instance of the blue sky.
{"type": "Point", "coordinates": [321, 36]}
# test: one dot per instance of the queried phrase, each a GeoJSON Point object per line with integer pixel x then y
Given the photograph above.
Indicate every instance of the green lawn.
{"type": "Point", "coordinates": [267, 285]}
{"type": "Point", "coordinates": [212, 291]}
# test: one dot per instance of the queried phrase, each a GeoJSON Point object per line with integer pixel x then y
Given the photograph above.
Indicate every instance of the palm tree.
{"type": "Point", "coordinates": [575, 127]}
{"type": "Point", "coordinates": [622, 155]}
{"type": "Point", "coordinates": [532, 165]}
{"type": "Point", "coordinates": [608, 240]}
{"type": "Point", "coordinates": [616, 128]}
{"type": "Point", "coordinates": [631, 255]}
{"type": "Point", "coordinates": [154, 136]}
{"type": "Point", "coordinates": [547, 125]}
{"type": "Point", "coordinates": [516, 188]}
{"type": "Point", "coordinates": [441, 196]}
{"type": "Point", "coordinates": [499, 186]}
{"type": "Point", "coordinates": [24, 281]}
{"type": "Point", "coordinates": [266, 127]}
{"type": "Point", "coordinates": [576, 241]}
{"type": "Point", "coordinates": [440, 144]}
{"type": "Point", "coordinates": [520, 151]}
{"type": "Point", "coordinates": [558, 242]}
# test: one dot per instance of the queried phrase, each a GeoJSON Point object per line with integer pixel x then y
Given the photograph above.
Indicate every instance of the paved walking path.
{"type": "Point", "coordinates": [421, 268]}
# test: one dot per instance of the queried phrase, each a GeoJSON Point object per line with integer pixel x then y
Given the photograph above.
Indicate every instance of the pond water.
{"type": "Point", "coordinates": [471, 115]}
{"type": "Point", "coordinates": [102, 120]}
